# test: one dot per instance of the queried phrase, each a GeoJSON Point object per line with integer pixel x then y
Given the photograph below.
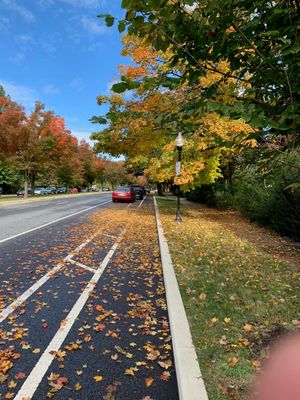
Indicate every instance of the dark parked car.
{"type": "Point", "coordinates": [21, 192]}
{"type": "Point", "coordinates": [51, 190]}
{"type": "Point", "coordinates": [123, 193]}
{"type": "Point", "coordinates": [139, 191]}
{"type": "Point", "coordinates": [62, 189]}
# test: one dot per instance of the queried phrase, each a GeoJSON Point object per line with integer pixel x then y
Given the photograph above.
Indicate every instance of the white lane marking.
{"type": "Point", "coordinates": [142, 202]}
{"type": "Point", "coordinates": [35, 377]}
{"type": "Point", "coordinates": [11, 308]}
{"type": "Point", "coordinates": [52, 222]}
{"type": "Point", "coordinates": [78, 264]}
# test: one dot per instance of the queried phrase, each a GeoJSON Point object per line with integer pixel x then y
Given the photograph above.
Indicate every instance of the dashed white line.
{"type": "Point", "coordinates": [142, 202]}
{"type": "Point", "coordinates": [53, 222]}
{"type": "Point", "coordinates": [35, 377]}
{"type": "Point", "coordinates": [78, 264]}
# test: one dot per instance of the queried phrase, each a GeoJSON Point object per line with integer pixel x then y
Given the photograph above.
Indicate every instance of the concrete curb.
{"type": "Point", "coordinates": [189, 377]}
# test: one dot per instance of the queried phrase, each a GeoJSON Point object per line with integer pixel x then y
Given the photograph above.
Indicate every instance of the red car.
{"type": "Point", "coordinates": [74, 190]}
{"type": "Point", "coordinates": [123, 193]}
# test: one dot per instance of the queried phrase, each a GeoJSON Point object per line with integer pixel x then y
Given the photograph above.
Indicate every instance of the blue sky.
{"type": "Point", "coordinates": [60, 53]}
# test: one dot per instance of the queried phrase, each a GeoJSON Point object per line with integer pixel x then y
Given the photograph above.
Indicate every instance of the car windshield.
{"type": "Point", "coordinates": [123, 189]}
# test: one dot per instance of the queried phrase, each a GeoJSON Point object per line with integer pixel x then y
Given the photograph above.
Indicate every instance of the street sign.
{"type": "Point", "coordinates": [177, 170]}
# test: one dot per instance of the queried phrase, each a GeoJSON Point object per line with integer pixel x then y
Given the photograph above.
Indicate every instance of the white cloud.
{"type": "Point", "coordinates": [83, 135]}
{"type": "Point", "coordinates": [51, 89]}
{"type": "Point", "coordinates": [77, 84]}
{"type": "Point", "coordinates": [19, 93]}
{"type": "Point", "coordinates": [49, 43]}
{"type": "Point", "coordinates": [23, 12]}
{"type": "Point", "coordinates": [93, 26]}
{"type": "Point", "coordinates": [83, 3]}
{"type": "Point", "coordinates": [18, 57]}
{"type": "Point", "coordinates": [25, 39]}
{"type": "Point", "coordinates": [4, 23]}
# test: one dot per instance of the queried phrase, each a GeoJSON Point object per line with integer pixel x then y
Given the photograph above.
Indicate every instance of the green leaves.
{"type": "Point", "coordinates": [120, 87]}
{"type": "Point", "coordinates": [109, 20]}
{"type": "Point", "coordinates": [121, 26]}
{"type": "Point", "coordinates": [126, 84]}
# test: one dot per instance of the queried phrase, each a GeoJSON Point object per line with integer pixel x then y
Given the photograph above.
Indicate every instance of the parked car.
{"type": "Point", "coordinates": [148, 190]}
{"type": "Point", "coordinates": [74, 190]}
{"type": "Point", "coordinates": [51, 190]}
{"type": "Point", "coordinates": [123, 193]}
{"type": "Point", "coordinates": [21, 192]}
{"type": "Point", "coordinates": [139, 191]}
{"type": "Point", "coordinates": [40, 191]}
{"type": "Point", "coordinates": [62, 189]}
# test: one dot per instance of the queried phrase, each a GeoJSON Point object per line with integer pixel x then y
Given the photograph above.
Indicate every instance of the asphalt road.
{"type": "Point", "coordinates": [82, 306]}
{"type": "Point", "coordinates": [26, 215]}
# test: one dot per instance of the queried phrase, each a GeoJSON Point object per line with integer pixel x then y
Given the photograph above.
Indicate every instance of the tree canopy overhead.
{"type": "Point", "coordinates": [259, 40]}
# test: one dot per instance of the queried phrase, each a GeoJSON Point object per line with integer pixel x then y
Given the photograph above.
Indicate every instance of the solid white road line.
{"type": "Point", "coordinates": [53, 222]}
{"type": "Point", "coordinates": [35, 377]}
{"type": "Point", "coordinates": [11, 308]}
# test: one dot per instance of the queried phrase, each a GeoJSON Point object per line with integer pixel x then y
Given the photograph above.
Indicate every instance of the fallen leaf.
{"type": "Point", "coordinates": [165, 376]}
{"type": "Point", "coordinates": [233, 361]}
{"type": "Point", "coordinates": [165, 364]}
{"type": "Point", "coordinates": [247, 327]}
{"type": "Point", "coordinates": [149, 381]}
{"type": "Point", "coordinates": [98, 378]}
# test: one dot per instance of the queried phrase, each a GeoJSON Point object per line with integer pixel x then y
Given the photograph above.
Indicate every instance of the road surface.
{"type": "Point", "coordinates": [83, 313]}
{"type": "Point", "coordinates": [23, 216]}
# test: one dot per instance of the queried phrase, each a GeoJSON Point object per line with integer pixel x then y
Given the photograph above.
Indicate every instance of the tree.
{"type": "Point", "coordinates": [144, 127]}
{"type": "Point", "coordinates": [260, 40]}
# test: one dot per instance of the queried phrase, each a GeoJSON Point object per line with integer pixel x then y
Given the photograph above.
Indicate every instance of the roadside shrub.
{"type": "Point", "coordinates": [266, 191]}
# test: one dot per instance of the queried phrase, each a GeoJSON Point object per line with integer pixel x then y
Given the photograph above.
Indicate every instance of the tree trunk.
{"type": "Point", "coordinates": [160, 189]}
{"type": "Point", "coordinates": [26, 184]}
{"type": "Point", "coordinates": [32, 183]}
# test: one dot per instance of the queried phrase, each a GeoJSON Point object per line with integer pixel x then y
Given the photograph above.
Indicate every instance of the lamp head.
{"type": "Point", "coordinates": [179, 141]}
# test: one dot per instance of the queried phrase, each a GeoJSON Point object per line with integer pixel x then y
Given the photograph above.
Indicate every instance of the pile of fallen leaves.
{"type": "Point", "coordinates": [239, 299]}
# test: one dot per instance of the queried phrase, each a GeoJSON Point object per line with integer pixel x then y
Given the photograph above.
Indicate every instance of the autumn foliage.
{"type": "Point", "coordinates": [40, 148]}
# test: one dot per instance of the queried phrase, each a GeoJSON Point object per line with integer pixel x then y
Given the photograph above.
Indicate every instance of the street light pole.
{"type": "Point", "coordinates": [179, 141]}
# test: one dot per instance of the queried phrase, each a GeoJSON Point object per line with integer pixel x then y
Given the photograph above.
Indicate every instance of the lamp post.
{"type": "Point", "coordinates": [179, 141]}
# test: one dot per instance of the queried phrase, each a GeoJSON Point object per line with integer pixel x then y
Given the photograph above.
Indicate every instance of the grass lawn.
{"type": "Point", "coordinates": [238, 299]}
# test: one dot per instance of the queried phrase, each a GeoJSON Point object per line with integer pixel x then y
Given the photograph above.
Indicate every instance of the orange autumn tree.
{"type": "Point", "coordinates": [144, 127]}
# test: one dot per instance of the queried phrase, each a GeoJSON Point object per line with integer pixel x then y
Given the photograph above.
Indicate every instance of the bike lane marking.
{"type": "Point", "coordinates": [24, 296]}
{"type": "Point", "coordinates": [36, 375]}
{"type": "Point", "coordinates": [52, 222]}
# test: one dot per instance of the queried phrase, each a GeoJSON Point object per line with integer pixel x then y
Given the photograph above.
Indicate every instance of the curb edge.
{"type": "Point", "coordinates": [189, 378]}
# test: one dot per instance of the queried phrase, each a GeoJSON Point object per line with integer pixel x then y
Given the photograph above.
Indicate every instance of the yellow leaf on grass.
{"type": "Point", "coordinates": [77, 386]}
{"type": "Point", "coordinates": [202, 296]}
{"type": "Point", "coordinates": [256, 364]}
{"type": "Point", "coordinates": [233, 361]}
{"type": "Point", "coordinates": [227, 320]}
{"type": "Point", "coordinates": [98, 378]}
{"type": "Point", "coordinates": [247, 327]}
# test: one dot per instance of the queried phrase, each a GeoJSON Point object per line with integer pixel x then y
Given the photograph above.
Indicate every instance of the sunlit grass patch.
{"type": "Point", "coordinates": [238, 299]}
